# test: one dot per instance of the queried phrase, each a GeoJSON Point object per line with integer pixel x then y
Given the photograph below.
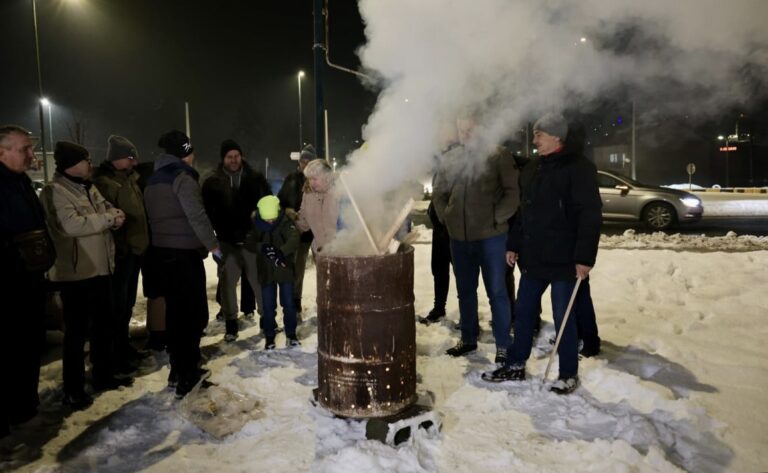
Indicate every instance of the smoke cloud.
{"type": "Point", "coordinates": [510, 61]}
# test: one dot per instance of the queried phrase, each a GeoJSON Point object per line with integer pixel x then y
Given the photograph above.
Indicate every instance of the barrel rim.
{"type": "Point", "coordinates": [408, 250]}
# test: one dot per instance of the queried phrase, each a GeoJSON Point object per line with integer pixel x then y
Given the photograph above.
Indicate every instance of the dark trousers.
{"type": "Point", "coordinates": [88, 314]}
{"type": "Point", "coordinates": [586, 320]}
{"type": "Point", "coordinates": [186, 306]}
{"type": "Point", "coordinates": [528, 302]}
{"type": "Point", "coordinates": [301, 265]}
{"type": "Point", "coordinates": [22, 339]}
{"type": "Point", "coordinates": [509, 278]}
{"type": "Point", "coordinates": [269, 298]}
{"type": "Point", "coordinates": [440, 262]}
{"type": "Point", "coordinates": [125, 282]}
{"type": "Point", "coordinates": [247, 297]}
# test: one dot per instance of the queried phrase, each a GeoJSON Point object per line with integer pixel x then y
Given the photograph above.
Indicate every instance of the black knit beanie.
{"type": "Point", "coordinates": [229, 145]}
{"type": "Point", "coordinates": [308, 153]}
{"type": "Point", "coordinates": [176, 143]}
{"type": "Point", "coordinates": [68, 154]}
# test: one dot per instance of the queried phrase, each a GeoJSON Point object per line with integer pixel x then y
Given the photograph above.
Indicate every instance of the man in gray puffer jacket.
{"type": "Point", "coordinates": [182, 236]}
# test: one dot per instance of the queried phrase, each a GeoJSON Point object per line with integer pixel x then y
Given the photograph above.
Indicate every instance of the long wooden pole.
{"type": "Point", "coordinates": [359, 214]}
{"type": "Point", "coordinates": [562, 327]}
{"type": "Point", "coordinates": [385, 240]}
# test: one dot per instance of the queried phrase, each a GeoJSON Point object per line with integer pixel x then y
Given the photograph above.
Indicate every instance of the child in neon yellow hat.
{"type": "Point", "coordinates": [276, 240]}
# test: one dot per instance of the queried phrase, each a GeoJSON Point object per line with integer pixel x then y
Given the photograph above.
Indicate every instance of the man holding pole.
{"type": "Point", "coordinates": [554, 238]}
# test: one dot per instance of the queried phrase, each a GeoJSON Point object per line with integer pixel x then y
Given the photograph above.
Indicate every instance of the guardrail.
{"type": "Point", "coordinates": [737, 190]}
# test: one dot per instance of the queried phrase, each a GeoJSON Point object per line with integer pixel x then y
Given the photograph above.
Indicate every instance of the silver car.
{"type": "Point", "coordinates": [658, 207]}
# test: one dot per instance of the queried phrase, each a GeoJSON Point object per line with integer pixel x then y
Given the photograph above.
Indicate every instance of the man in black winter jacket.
{"type": "Point", "coordinates": [554, 240]}
{"type": "Point", "coordinates": [290, 195]}
{"type": "Point", "coordinates": [22, 284]}
{"type": "Point", "coordinates": [230, 195]}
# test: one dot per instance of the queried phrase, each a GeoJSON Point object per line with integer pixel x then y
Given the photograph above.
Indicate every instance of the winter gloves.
{"type": "Point", "coordinates": [274, 254]}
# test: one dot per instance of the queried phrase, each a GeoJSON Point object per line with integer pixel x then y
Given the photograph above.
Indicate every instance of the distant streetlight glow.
{"type": "Point", "coordinates": [47, 103]}
{"type": "Point", "coordinates": [301, 131]}
{"type": "Point", "coordinates": [583, 39]}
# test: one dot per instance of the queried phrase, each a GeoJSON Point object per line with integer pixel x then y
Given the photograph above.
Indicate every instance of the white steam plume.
{"type": "Point", "coordinates": [514, 60]}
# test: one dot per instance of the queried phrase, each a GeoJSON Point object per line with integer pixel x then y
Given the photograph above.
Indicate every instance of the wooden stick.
{"type": "Point", "coordinates": [562, 327]}
{"type": "Point", "coordinates": [359, 214]}
{"type": "Point", "coordinates": [386, 239]}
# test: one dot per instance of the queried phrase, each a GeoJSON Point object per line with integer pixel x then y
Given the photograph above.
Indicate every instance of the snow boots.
{"type": "Point", "coordinates": [565, 385]}
{"type": "Point", "coordinates": [461, 349]}
{"type": "Point", "coordinates": [435, 315]}
{"type": "Point", "coordinates": [501, 357]}
{"type": "Point", "coordinates": [231, 330]}
{"type": "Point", "coordinates": [505, 373]}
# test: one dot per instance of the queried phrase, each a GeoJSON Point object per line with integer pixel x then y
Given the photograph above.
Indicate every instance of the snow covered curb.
{"type": "Point", "coordinates": [660, 240]}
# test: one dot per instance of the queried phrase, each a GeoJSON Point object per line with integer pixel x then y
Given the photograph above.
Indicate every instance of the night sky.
{"type": "Point", "coordinates": [127, 67]}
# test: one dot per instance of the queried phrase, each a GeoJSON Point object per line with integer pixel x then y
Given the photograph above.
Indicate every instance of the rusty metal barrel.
{"type": "Point", "coordinates": [366, 334]}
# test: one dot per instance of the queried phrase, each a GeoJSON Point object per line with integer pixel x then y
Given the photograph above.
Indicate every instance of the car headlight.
{"type": "Point", "coordinates": [690, 201]}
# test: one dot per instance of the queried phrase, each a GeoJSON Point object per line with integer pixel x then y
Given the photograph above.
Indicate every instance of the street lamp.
{"type": "Point", "coordinates": [727, 156]}
{"type": "Point", "coordinates": [301, 134]}
{"type": "Point", "coordinates": [40, 92]}
{"type": "Point", "coordinates": [47, 103]}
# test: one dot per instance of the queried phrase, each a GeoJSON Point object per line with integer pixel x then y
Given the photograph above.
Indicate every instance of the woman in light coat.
{"type": "Point", "coordinates": [319, 210]}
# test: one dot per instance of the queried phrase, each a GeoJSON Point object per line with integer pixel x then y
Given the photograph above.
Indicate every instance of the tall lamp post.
{"type": "Point", "coordinates": [301, 130]}
{"type": "Point", "coordinates": [40, 92]}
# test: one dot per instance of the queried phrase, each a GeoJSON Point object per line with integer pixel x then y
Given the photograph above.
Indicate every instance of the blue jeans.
{"type": "Point", "coordinates": [269, 299]}
{"type": "Point", "coordinates": [469, 259]}
{"type": "Point", "coordinates": [527, 309]}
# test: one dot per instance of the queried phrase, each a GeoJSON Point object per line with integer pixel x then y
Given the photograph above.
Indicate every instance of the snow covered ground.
{"type": "Point", "coordinates": [680, 385]}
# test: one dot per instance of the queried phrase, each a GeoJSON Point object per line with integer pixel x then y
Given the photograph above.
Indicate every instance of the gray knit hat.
{"type": "Point", "coordinates": [119, 147]}
{"type": "Point", "coordinates": [552, 124]}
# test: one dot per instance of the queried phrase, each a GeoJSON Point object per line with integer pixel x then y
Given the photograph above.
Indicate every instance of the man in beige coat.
{"type": "Point", "coordinates": [80, 221]}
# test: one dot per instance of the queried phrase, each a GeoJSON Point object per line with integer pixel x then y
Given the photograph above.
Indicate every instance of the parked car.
{"type": "Point", "coordinates": [659, 208]}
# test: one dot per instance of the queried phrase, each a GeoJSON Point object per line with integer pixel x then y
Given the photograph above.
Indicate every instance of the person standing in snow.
{"type": "Point", "coordinates": [117, 182]}
{"type": "Point", "coordinates": [230, 195]}
{"type": "Point", "coordinates": [475, 203]}
{"type": "Point", "coordinates": [554, 240]}
{"type": "Point", "coordinates": [290, 197]}
{"type": "Point", "coordinates": [26, 252]}
{"type": "Point", "coordinates": [319, 210]}
{"type": "Point", "coordinates": [80, 221]}
{"type": "Point", "coordinates": [276, 239]}
{"type": "Point", "coordinates": [182, 236]}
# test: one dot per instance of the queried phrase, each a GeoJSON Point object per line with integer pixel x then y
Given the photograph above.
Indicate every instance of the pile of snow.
{"type": "Point", "coordinates": [660, 240]}
{"type": "Point", "coordinates": [680, 385]}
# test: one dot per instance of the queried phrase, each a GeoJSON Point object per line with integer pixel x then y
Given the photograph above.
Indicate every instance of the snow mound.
{"type": "Point", "coordinates": [660, 240]}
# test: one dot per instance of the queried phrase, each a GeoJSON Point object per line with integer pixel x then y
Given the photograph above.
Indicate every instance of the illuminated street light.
{"type": "Point", "coordinates": [47, 103]}
{"type": "Point", "coordinates": [301, 131]}
{"type": "Point", "coordinates": [727, 160]}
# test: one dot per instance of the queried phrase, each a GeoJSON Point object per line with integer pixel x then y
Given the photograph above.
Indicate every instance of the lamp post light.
{"type": "Point", "coordinates": [301, 131]}
{"type": "Point", "coordinates": [47, 103]}
{"type": "Point", "coordinates": [727, 156]}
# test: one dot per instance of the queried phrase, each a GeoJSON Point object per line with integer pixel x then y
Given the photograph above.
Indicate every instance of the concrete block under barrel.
{"type": "Point", "coordinates": [366, 334]}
